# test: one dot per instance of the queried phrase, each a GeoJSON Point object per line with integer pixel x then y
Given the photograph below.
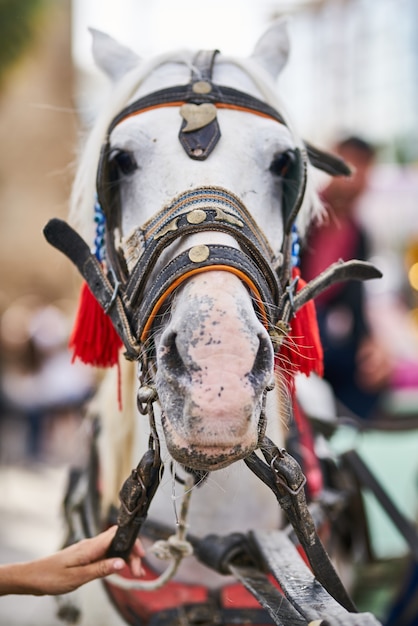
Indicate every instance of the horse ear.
{"type": "Point", "coordinates": [272, 49]}
{"type": "Point", "coordinates": [110, 56]}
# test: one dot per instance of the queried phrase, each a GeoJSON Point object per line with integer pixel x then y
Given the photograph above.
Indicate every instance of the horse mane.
{"type": "Point", "coordinates": [84, 187]}
{"type": "Point", "coordinates": [116, 442]}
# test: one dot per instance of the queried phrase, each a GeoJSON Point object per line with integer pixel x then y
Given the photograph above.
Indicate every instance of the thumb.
{"type": "Point", "coordinates": [103, 568]}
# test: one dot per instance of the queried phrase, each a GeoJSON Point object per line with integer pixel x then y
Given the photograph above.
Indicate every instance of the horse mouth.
{"type": "Point", "coordinates": [201, 456]}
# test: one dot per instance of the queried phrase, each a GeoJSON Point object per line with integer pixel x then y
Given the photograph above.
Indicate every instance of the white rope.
{"type": "Point", "coordinates": [176, 548]}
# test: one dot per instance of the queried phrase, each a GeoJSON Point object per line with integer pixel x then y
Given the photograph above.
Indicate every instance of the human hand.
{"type": "Point", "coordinates": [69, 568]}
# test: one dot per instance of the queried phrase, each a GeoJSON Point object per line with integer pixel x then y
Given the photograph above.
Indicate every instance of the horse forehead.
{"type": "Point", "coordinates": [240, 161]}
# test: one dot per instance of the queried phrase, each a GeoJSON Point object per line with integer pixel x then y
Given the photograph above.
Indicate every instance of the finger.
{"type": "Point", "coordinates": [96, 547]}
{"type": "Point", "coordinates": [138, 549]}
{"type": "Point", "coordinates": [135, 566]}
{"type": "Point", "coordinates": [99, 569]}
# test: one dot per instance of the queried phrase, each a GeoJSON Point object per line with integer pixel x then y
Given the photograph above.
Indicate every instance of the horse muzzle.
{"type": "Point", "coordinates": [214, 365]}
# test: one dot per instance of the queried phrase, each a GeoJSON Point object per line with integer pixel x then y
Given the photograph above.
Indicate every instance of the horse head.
{"type": "Point", "coordinates": [201, 181]}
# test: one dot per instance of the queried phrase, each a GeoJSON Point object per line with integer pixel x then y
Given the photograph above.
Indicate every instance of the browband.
{"type": "Point", "coordinates": [220, 96]}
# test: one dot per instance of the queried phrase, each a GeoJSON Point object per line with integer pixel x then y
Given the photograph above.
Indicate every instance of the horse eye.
{"type": "Point", "coordinates": [125, 162]}
{"type": "Point", "coordinates": [282, 162]}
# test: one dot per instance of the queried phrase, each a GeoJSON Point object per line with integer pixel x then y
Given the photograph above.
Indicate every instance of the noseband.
{"type": "Point", "coordinates": [125, 291]}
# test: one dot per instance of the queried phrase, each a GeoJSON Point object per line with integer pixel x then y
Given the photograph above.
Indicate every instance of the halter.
{"type": "Point", "coordinates": [125, 292]}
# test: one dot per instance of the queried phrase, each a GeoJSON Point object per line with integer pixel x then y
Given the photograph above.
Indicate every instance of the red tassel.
{"type": "Point", "coordinates": [94, 339]}
{"type": "Point", "coordinates": [301, 350]}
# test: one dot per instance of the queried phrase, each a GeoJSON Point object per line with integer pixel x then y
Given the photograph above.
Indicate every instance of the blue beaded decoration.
{"type": "Point", "coordinates": [295, 251]}
{"type": "Point", "coordinates": [99, 240]}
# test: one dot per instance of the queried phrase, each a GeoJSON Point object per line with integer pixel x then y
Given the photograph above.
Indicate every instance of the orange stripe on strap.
{"type": "Point", "coordinates": [200, 270]}
{"type": "Point", "coordinates": [151, 108]}
{"type": "Point", "coordinates": [218, 105]}
{"type": "Point", "coordinates": [244, 109]}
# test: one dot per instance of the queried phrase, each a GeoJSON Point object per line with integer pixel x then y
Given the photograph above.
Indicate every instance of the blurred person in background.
{"type": "Point", "coordinates": [40, 387]}
{"type": "Point", "coordinates": [356, 365]}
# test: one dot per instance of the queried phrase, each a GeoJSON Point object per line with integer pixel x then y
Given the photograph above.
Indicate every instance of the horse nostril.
{"type": "Point", "coordinates": [169, 354]}
{"type": "Point", "coordinates": [262, 369]}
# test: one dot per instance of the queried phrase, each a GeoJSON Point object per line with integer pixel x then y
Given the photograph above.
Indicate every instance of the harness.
{"type": "Point", "coordinates": [124, 291]}
{"type": "Point", "coordinates": [132, 302]}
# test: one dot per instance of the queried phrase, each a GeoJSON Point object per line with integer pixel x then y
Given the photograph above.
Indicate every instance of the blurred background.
{"type": "Point", "coordinates": [353, 69]}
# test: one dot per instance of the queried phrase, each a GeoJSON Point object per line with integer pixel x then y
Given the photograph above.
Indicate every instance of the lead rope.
{"type": "Point", "coordinates": [176, 548]}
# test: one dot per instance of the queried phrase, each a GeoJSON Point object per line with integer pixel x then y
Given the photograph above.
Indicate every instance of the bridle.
{"type": "Point", "coordinates": [200, 210]}
{"type": "Point", "coordinates": [132, 301]}
{"type": "Point", "coordinates": [126, 295]}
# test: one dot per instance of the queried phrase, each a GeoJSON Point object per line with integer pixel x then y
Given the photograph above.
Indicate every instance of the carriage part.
{"type": "Point", "coordinates": [271, 599]}
{"type": "Point", "coordinates": [217, 552]}
{"type": "Point", "coordinates": [368, 480]}
{"type": "Point", "coordinates": [360, 619]}
{"type": "Point", "coordinates": [81, 513]}
{"type": "Point", "coordinates": [285, 478]}
{"type": "Point", "coordinates": [210, 614]}
{"type": "Point", "coordinates": [301, 587]}
{"type": "Point", "coordinates": [68, 609]}
{"type": "Point", "coordinates": [135, 496]}
{"type": "Point", "coordinates": [253, 558]}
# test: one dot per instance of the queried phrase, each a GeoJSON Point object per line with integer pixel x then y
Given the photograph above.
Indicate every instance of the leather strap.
{"type": "Point", "coordinates": [285, 478]}
{"type": "Point", "coordinates": [150, 308]}
{"type": "Point", "coordinates": [135, 495]}
{"type": "Point", "coordinates": [200, 142]}
{"type": "Point", "coordinates": [223, 96]}
{"type": "Point", "coordinates": [63, 237]}
{"type": "Point", "coordinates": [202, 65]}
{"type": "Point", "coordinates": [200, 210]}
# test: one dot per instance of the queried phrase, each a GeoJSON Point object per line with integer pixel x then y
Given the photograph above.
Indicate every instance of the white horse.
{"type": "Point", "coordinates": [208, 351]}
